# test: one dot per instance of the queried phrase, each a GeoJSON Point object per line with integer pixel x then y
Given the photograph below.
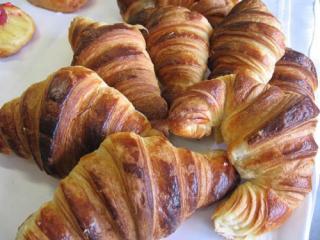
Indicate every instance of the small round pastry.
{"type": "Point", "coordinates": [66, 6]}
{"type": "Point", "coordinates": [16, 29]}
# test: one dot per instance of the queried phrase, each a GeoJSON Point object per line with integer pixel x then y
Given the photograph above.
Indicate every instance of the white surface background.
{"type": "Point", "coordinates": [23, 187]}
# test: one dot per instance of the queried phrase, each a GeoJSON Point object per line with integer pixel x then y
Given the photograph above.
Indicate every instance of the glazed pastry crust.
{"type": "Point", "coordinates": [118, 54]}
{"type": "Point", "coordinates": [66, 6]}
{"type": "Point", "coordinates": [178, 43]}
{"type": "Point", "coordinates": [131, 188]}
{"type": "Point", "coordinates": [16, 29]}
{"type": "Point", "coordinates": [58, 120]}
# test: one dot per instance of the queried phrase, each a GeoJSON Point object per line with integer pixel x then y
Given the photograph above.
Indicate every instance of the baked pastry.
{"type": "Point", "coordinates": [248, 41]}
{"type": "Point", "coordinates": [178, 43]}
{"type": "Point", "coordinates": [138, 11]}
{"type": "Point", "coordinates": [118, 54]}
{"type": "Point", "coordinates": [274, 150]}
{"type": "Point", "coordinates": [268, 128]}
{"type": "Point", "coordinates": [58, 120]}
{"type": "Point", "coordinates": [16, 29]}
{"type": "Point", "coordinates": [131, 188]}
{"type": "Point", "coordinates": [66, 6]}
{"type": "Point", "coordinates": [295, 72]}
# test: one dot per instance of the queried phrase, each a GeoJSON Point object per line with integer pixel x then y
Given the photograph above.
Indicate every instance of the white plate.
{"type": "Point", "coordinates": [23, 187]}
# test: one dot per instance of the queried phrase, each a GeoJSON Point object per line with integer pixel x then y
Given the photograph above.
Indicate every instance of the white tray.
{"type": "Point", "coordinates": [23, 187]}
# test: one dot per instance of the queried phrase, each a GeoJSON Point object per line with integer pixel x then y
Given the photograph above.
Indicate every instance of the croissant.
{"type": "Point", "coordinates": [178, 43]}
{"type": "Point", "coordinates": [16, 29]}
{"type": "Point", "coordinates": [138, 11]}
{"type": "Point", "coordinates": [58, 120]}
{"type": "Point", "coordinates": [66, 6]}
{"type": "Point", "coordinates": [248, 41]}
{"type": "Point", "coordinates": [274, 150]}
{"type": "Point", "coordinates": [131, 188]}
{"type": "Point", "coordinates": [268, 128]}
{"type": "Point", "coordinates": [118, 54]}
{"type": "Point", "coordinates": [295, 72]}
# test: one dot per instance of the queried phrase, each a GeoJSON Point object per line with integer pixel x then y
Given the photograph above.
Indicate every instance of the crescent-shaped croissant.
{"type": "Point", "coordinates": [178, 43]}
{"type": "Point", "coordinates": [274, 151]}
{"type": "Point", "coordinates": [249, 41]}
{"type": "Point", "coordinates": [138, 11]}
{"type": "Point", "coordinates": [270, 142]}
{"type": "Point", "coordinates": [58, 120]}
{"type": "Point", "coordinates": [268, 128]}
{"type": "Point", "coordinates": [118, 54]}
{"type": "Point", "coordinates": [131, 188]}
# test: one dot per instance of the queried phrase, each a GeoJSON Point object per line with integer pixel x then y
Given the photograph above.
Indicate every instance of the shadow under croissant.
{"type": "Point", "coordinates": [28, 170]}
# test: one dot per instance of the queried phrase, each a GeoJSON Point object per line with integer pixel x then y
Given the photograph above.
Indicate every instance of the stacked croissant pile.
{"type": "Point", "coordinates": [99, 123]}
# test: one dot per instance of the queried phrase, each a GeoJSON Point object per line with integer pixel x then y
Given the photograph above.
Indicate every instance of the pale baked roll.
{"type": "Point", "coordinates": [16, 29]}
{"type": "Point", "coordinates": [66, 6]}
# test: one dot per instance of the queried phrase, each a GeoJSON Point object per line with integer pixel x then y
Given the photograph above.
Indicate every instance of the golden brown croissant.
{"type": "Point", "coordinates": [178, 45]}
{"type": "Point", "coordinates": [138, 11]}
{"type": "Point", "coordinates": [118, 54]}
{"type": "Point", "coordinates": [249, 41]}
{"type": "Point", "coordinates": [58, 120]}
{"type": "Point", "coordinates": [268, 129]}
{"type": "Point", "coordinates": [295, 72]}
{"type": "Point", "coordinates": [270, 143]}
{"type": "Point", "coordinates": [16, 29]}
{"type": "Point", "coordinates": [274, 151]}
{"type": "Point", "coordinates": [131, 188]}
{"type": "Point", "coordinates": [65, 6]}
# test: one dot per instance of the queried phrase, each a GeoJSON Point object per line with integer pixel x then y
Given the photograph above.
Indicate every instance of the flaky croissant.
{"type": "Point", "coordinates": [58, 120]}
{"type": "Point", "coordinates": [249, 41]}
{"type": "Point", "coordinates": [131, 188]}
{"type": "Point", "coordinates": [178, 42]}
{"type": "Point", "coordinates": [274, 151]}
{"type": "Point", "coordinates": [65, 6]}
{"type": "Point", "coordinates": [118, 54]}
{"type": "Point", "coordinates": [138, 11]}
{"type": "Point", "coordinates": [268, 128]}
{"type": "Point", "coordinates": [270, 142]}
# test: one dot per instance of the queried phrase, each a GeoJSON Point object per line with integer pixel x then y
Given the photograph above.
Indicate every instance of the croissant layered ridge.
{"type": "Point", "coordinates": [178, 43]}
{"type": "Point", "coordinates": [131, 188]}
{"type": "Point", "coordinates": [139, 11]}
{"type": "Point", "coordinates": [295, 72]}
{"type": "Point", "coordinates": [118, 54]}
{"type": "Point", "coordinates": [58, 120]}
{"type": "Point", "coordinates": [248, 41]}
